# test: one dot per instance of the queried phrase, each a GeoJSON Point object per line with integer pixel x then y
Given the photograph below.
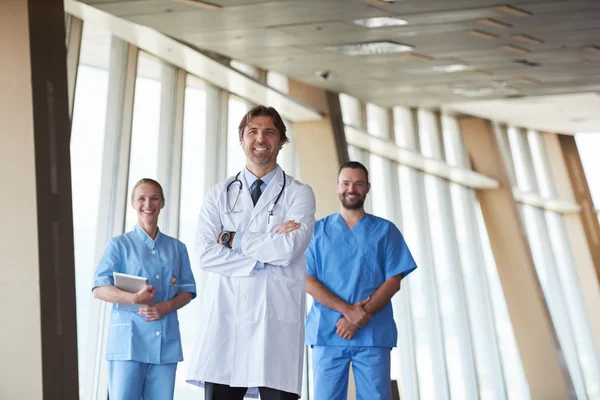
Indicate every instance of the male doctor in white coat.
{"type": "Point", "coordinates": [252, 233]}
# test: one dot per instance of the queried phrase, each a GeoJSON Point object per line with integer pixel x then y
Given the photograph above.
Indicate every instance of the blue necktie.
{"type": "Point", "coordinates": [256, 192]}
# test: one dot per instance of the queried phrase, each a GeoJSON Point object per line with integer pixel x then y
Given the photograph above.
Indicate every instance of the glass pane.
{"type": "Point", "coordinates": [588, 145]}
{"type": "Point", "coordinates": [351, 111]}
{"type": "Point", "coordinates": [514, 375]}
{"type": "Point", "coordinates": [287, 155]}
{"type": "Point", "coordinates": [87, 143]}
{"type": "Point", "coordinates": [193, 187]}
{"type": "Point", "coordinates": [145, 127]}
{"type": "Point", "coordinates": [236, 159]}
{"type": "Point", "coordinates": [278, 82]}
{"type": "Point", "coordinates": [378, 123]}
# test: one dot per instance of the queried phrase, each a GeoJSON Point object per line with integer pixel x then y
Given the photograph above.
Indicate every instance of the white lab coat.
{"type": "Point", "coordinates": [252, 320]}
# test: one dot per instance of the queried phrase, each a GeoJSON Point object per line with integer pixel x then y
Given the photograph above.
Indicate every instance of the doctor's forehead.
{"type": "Point", "coordinates": [261, 121]}
{"type": "Point", "coordinates": [352, 175]}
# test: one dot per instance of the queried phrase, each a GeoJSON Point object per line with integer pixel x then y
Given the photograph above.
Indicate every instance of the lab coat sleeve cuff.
{"type": "Point", "coordinates": [237, 242]}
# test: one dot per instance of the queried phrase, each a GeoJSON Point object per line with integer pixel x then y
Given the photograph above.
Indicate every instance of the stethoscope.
{"type": "Point", "coordinates": [271, 206]}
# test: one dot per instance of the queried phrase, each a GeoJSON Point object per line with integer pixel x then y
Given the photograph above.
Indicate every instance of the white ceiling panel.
{"type": "Point", "coordinates": [290, 37]}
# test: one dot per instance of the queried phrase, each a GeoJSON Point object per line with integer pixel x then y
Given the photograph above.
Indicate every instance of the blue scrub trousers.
{"type": "Point", "coordinates": [371, 367]}
{"type": "Point", "coordinates": [132, 380]}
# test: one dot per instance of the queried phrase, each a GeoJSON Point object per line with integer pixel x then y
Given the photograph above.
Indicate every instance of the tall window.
{"type": "Point", "coordinates": [145, 128]}
{"type": "Point", "coordinates": [193, 188]}
{"type": "Point", "coordinates": [588, 145]}
{"type": "Point", "coordinates": [87, 142]}
{"type": "Point", "coordinates": [236, 159]}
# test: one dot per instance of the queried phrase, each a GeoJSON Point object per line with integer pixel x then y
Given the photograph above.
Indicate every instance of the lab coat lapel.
{"type": "Point", "coordinates": [270, 194]}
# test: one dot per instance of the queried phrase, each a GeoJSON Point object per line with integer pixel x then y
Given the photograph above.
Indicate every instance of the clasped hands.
{"type": "Point", "coordinates": [354, 318]}
{"type": "Point", "coordinates": [287, 227]}
{"type": "Point", "coordinates": [152, 311]}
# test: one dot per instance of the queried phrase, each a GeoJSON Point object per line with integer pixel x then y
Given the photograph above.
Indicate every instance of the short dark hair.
{"type": "Point", "coordinates": [263, 111]}
{"type": "Point", "coordinates": [150, 182]}
{"type": "Point", "coordinates": [354, 165]}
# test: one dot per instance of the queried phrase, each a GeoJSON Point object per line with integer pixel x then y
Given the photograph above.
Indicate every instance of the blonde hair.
{"type": "Point", "coordinates": [151, 182]}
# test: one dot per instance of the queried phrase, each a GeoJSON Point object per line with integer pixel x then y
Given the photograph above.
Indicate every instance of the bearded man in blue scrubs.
{"type": "Point", "coordinates": [355, 263]}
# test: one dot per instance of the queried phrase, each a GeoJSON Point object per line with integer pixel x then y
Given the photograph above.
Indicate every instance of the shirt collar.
{"type": "Point", "coordinates": [145, 238]}
{"type": "Point", "coordinates": [251, 178]}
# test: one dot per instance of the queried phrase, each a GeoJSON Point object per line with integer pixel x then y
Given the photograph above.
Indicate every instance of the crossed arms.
{"type": "Point", "coordinates": [354, 316]}
{"type": "Point", "coordinates": [279, 248]}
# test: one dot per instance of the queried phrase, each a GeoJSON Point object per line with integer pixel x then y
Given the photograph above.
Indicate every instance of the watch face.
{"type": "Point", "coordinates": [225, 237]}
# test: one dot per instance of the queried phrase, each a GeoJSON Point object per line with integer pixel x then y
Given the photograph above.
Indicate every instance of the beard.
{"type": "Point", "coordinates": [261, 161]}
{"type": "Point", "coordinates": [357, 203]}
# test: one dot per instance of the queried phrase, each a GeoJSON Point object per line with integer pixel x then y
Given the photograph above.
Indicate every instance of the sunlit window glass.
{"type": "Point", "coordinates": [193, 188]}
{"type": "Point", "coordinates": [145, 127]}
{"type": "Point", "coordinates": [87, 143]}
{"type": "Point", "coordinates": [236, 159]}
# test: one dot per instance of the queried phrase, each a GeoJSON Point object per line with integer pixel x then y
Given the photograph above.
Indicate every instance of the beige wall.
{"type": "Point", "coordinates": [20, 336]}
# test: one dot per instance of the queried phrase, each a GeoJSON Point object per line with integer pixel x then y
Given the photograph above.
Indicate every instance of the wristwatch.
{"type": "Point", "coordinates": [226, 238]}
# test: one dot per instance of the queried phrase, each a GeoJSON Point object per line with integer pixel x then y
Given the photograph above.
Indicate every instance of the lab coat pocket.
{"type": "Point", "coordinates": [284, 298]}
{"type": "Point", "coordinates": [118, 344]}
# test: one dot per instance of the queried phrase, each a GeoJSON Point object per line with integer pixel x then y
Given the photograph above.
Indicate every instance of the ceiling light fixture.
{"type": "Point", "coordinates": [482, 34]}
{"type": "Point", "coordinates": [494, 23]}
{"type": "Point", "coordinates": [369, 48]}
{"type": "Point", "coordinates": [452, 68]}
{"type": "Point", "coordinates": [518, 12]}
{"type": "Point", "coordinates": [527, 39]}
{"type": "Point", "coordinates": [592, 49]}
{"type": "Point", "coordinates": [379, 22]}
{"type": "Point", "coordinates": [515, 49]}
{"type": "Point", "coordinates": [201, 4]}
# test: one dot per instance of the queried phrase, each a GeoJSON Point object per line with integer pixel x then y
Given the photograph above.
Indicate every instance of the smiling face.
{"type": "Point", "coordinates": [261, 142]}
{"type": "Point", "coordinates": [352, 188]}
{"type": "Point", "coordinates": [147, 200]}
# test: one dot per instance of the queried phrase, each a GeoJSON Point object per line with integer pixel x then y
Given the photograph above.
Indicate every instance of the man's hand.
{"type": "Point", "coordinates": [356, 315]}
{"type": "Point", "coordinates": [154, 312]}
{"type": "Point", "coordinates": [145, 296]}
{"type": "Point", "coordinates": [288, 227]}
{"type": "Point", "coordinates": [345, 329]}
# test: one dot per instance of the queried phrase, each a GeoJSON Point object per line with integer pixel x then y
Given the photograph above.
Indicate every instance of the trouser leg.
{"type": "Point", "coordinates": [274, 394]}
{"type": "Point", "coordinates": [330, 371]}
{"type": "Point", "coordinates": [126, 379]}
{"type": "Point", "coordinates": [217, 391]}
{"type": "Point", "coordinates": [371, 367]}
{"type": "Point", "coordinates": [160, 382]}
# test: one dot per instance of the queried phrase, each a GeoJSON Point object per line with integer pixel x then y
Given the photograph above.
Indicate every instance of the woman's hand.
{"type": "Point", "coordinates": [154, 312]}
{"type": "Point", "coordinates": [145, 296]}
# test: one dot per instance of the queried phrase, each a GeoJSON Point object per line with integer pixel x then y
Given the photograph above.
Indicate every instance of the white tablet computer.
{"type": "Point", "coordinates": [131, 284]}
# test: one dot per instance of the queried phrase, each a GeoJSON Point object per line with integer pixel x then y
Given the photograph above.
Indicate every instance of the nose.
{"type": "Point", "coordinates": [260, 136]}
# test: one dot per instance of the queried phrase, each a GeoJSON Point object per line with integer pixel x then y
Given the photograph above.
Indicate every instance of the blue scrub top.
{"type": "Point", "coordinates": [353, 264]}
{"type": "Point", "coordinates": [166, 264]}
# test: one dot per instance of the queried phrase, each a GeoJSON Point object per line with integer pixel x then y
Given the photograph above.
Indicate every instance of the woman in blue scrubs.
{"type": "Point", "coordinates": [144, 347]}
